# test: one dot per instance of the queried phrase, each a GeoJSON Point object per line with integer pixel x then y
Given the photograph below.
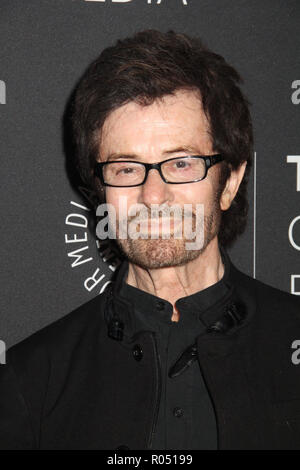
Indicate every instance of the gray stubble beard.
{"type": "Point", "coordinates": [159, 253]}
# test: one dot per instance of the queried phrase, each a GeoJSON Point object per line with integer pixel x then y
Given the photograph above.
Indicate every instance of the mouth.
{"type": "Point", "coordinates": [161, 225]}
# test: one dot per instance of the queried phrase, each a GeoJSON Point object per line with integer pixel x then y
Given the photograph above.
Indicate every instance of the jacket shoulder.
{"type": "Point", "coordinates": [64, 333]}
{"type": "Point", "coordinates": [37, 368]}
{"type": "Point", "coordinates": [271, 301]}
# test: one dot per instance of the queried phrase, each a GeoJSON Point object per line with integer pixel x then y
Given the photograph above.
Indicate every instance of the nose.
{"type": "Point", "coordinates": [155, 190]}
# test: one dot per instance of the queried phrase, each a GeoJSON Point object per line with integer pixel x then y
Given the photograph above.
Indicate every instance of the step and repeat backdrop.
{"type": "Point", "coordinates": [51, 261]}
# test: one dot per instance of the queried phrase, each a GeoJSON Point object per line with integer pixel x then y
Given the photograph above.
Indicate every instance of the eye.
{"type": "Point", "coordinates": [126, 170]}
{"type": "Point", "coordinates": [181, 164]}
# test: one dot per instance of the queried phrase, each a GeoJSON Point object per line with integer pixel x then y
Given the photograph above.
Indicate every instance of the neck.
{"type": "Point", "coordinates": [172, 283]}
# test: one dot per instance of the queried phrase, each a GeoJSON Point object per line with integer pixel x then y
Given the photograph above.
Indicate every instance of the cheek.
{"type": "Point", "coordinates": [202, 192]}
{"type": "Point", "coordinates": [121, 199]}
{"type": "Point", "coordinates": [111, 196]}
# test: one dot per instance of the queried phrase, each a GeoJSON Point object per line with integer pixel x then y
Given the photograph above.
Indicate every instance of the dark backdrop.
{"type": "Point", "coordinates": [45, 47]}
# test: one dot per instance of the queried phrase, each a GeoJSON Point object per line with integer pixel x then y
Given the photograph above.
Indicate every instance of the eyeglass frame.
{"type": "Point", "coordinates": [209, 160]}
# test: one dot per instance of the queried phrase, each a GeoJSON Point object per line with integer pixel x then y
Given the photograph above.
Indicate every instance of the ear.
{"type": "Point", "coordinates": [232, 185]}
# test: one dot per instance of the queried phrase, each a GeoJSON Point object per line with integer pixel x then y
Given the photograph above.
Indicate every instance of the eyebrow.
{"type": "Point", "coordinates": [130, 156]}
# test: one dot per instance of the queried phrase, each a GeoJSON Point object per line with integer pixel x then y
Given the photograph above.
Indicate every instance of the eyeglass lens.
{"type": "Point", "coordinates": [174, 170]}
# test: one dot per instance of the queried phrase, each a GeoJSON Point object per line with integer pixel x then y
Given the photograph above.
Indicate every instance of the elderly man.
{"type": "Point", "coordinates": [182, 350]}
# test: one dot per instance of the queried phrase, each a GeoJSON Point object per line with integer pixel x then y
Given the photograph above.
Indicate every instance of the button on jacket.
{"type": "Point", "coordinates": [184, 396]}
{"type": "Point", "coordinates": [94, 380]}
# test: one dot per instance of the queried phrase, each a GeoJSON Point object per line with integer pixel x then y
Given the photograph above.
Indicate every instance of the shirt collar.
{"type": "Point", "coordinates": [194, 307]}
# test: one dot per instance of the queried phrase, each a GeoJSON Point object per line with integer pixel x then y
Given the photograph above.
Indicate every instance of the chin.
{"type": "Point", "coordinates": [154, 254]}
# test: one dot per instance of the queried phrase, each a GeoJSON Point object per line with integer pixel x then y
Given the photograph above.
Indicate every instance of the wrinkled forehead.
{"type": "Point", "coordinates": [176, 119]}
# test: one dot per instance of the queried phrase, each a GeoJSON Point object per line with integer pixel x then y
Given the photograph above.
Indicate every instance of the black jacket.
{"type": "Point", "coordinates": [72, 385]}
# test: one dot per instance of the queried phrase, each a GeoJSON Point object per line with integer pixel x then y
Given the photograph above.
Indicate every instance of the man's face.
{"type": "Point", "coordinates": [175, 126]}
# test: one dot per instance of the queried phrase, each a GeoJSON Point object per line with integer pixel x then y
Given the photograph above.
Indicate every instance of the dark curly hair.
{"type": "Point", "coordinates": [147, 66]}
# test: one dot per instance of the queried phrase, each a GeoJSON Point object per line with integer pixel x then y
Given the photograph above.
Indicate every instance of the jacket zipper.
{"type": "Point", "coordinates": [157, 390]}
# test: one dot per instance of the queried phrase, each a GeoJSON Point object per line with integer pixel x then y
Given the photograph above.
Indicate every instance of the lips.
{"type": "Point", "coordinates": [161, 225]}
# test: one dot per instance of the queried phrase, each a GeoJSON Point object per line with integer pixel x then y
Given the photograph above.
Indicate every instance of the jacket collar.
{"type": "Point", "coordinates": [231, 313]}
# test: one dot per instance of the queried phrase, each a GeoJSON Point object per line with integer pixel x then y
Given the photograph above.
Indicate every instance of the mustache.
{"type": "Point", "coordinates": [160, 214]}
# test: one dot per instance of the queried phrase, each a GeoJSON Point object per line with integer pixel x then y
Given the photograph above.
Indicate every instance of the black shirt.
{"type": "Point", "coordinates": [186, 418]}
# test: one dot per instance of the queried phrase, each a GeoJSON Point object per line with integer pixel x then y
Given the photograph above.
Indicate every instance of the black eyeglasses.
{"type": "Point", "coordinates": [178, 170]}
